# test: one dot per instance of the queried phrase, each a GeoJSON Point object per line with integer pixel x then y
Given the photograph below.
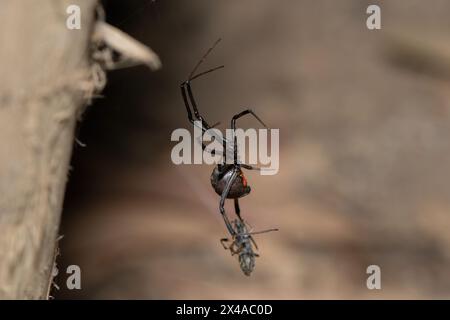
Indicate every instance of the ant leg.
{"type": "Point", "coordinates": [185, 91]}
{"type": "Point", "coordinates": [202, 59]}
{"type": "Point", "coordinates": [249, 167]}
{"type": "Point", "coordinates": [235, 249]}
{"type": "Point", "coordinates": [222, 241]}
{"type": "Point", "coordinates": [211, 151]}
{"type": "Point", "coordinates": [222, 200]}
{"type": "Point", "coordinates": [188, 96]}
{"type": "Point", "coordinates": [237, 209]}
{"type": "Point", "coordinates": [188, 99]}
{"type": "Point", "coordinates": [233, 127]}
{"type": "Point", "coordinates": [254, 242]}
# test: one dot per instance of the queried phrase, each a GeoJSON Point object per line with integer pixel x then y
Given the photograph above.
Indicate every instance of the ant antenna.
{"type": "Point", "coordinates": [263, 231]}
{"type": "Point", "coordinates": [192, 76]}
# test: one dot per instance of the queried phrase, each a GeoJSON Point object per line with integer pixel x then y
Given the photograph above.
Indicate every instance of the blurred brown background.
{"type": "Point", "coordinates": [364, 171]}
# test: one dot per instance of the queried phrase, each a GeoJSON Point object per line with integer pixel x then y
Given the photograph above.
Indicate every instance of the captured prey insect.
{"type": "Point", "coordinates": [227, 179]}
{"type": "Point", "coordinates": [242, 245]}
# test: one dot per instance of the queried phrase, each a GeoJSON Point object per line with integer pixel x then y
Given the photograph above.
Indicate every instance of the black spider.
{"type": "Point", "coordinates": [228, 180]}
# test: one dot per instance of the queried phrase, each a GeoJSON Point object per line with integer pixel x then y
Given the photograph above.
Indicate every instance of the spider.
{"type": "Point", "coordinates": [242, 245]}
{"type": "Point", "coordinates": [228, 180]}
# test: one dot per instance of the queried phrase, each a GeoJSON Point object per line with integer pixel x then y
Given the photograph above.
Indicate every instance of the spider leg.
{"type": "Point", "coordinates": [249, 167]}
{"type": "Point", "coordinates": [237, 209]}
{"type": "Point", "coordinates": [222, 200]}
{"type": "Point", "coordinates": [233, 127]}
{"type": "Point", "coordinates": [194, 114]}
{"type": "Point", "coordinates": [243, 113]}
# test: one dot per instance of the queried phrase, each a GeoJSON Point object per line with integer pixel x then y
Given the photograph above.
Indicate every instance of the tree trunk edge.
{"type": "Point", "coordinates": [45, 68]}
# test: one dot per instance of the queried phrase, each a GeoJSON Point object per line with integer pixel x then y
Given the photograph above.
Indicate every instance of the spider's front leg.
{"type": "Point", "coordinates": [237, 209]}
{"type": "Point", "coordinates": [188, 95]}
{"type": "Point", "coordinates": [194, 114]}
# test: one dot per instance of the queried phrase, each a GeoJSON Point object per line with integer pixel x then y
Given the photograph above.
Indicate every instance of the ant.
{"type": "Point", "coordinates": [242, 245]}
{"type": "Point", "coordinates": [228, 180]}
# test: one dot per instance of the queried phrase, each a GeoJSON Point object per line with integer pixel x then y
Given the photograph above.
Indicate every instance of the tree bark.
{"type": "Point", "coordinates": [43, 68]}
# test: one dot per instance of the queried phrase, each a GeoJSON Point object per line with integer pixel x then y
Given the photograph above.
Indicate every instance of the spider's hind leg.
{"type": "Point", "coordinates": [222, 201]}
{"type": "Point", "coordinates": [237, 209]}
{"type": "Point", "coordinates": [189, 102]}
{"type": "Point", "coordinates": [192, 110]}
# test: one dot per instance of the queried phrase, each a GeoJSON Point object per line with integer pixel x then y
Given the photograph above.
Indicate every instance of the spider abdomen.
{"type": "Point", "coordinates": [219, 180]}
